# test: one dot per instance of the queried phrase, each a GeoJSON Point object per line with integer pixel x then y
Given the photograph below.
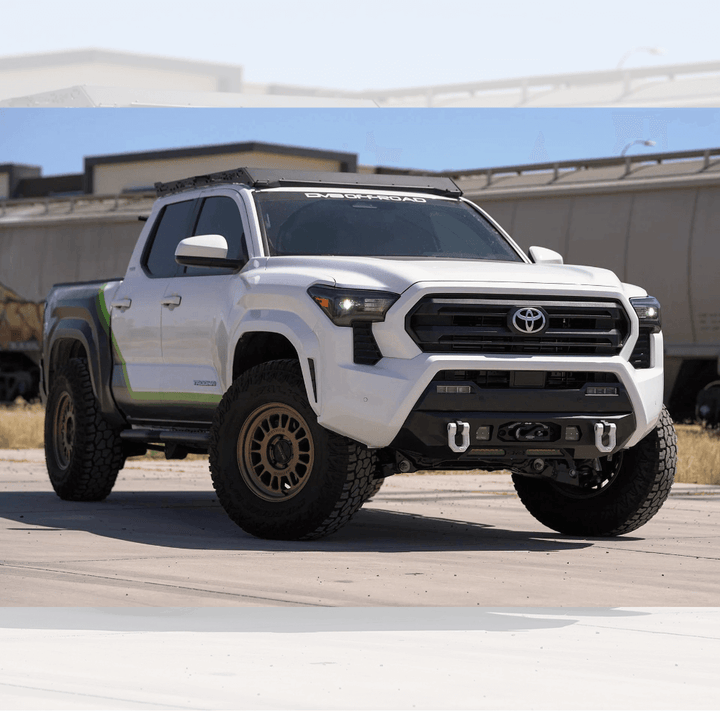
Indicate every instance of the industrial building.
{"type": "Point", "coordinates": [653, 219]}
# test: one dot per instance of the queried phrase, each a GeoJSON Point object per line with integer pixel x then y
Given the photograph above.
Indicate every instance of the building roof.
{"type": "Point", "coordinates": [687, 84]}
{"type": "Point", "coordinates": [665, 169]}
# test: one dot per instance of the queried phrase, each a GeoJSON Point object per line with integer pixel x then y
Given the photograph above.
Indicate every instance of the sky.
{"type": "Point", "coordinates": [427, 139]}
{"type": "Point", "coordinates": [372, 44]}
{"type": "Point", "coordinates": [376, 44]}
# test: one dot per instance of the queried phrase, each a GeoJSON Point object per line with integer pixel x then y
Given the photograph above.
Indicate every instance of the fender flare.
{"type": "Point", "coordinates": [82, 327]}
{"type": "Point", "coordinates": [298, 333]}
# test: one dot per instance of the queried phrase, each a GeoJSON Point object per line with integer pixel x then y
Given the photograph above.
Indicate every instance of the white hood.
{"type": "Point", "coordinates": [398, 274]}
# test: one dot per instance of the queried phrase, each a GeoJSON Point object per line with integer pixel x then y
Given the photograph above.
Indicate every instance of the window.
{"type": "Point", "coordinates": [362, 223]}
{"type": "Point", "coordinates": [220, 216]}
{"type": "Point", "coordinates": [173, 225]}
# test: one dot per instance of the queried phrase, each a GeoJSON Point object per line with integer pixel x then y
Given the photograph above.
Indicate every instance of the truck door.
{"type": "Point", "coordinates": [196, 307]}
{"type": "Point", "coordinates": [139, 377]}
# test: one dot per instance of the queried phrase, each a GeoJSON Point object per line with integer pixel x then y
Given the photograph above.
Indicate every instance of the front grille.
{"type": "Point", "coordinates": [553, 380]}
{"type": "Point", "coordinates": [469, 324]}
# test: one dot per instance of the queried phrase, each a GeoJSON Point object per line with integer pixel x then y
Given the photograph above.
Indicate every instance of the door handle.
{"type": "Point", "coordinates": [123, 304]}
{"type": "Point", "coordinates": [171, 300]}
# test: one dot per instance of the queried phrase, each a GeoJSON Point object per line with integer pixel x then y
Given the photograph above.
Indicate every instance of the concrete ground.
{"type": "Point", "coordinates": [161, 539]}
{"type": "Point", "coordinates": [442, 593]}
{"type": "Point", "coordinates": [435, 659]}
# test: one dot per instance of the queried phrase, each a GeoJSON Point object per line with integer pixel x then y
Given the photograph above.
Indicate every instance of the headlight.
{"type": "Point", "coordinates": [648, 312]}
{"type": "Point", "coordinates": [345, 306]}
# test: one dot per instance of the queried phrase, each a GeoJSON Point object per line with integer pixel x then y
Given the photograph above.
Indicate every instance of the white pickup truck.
{"type": "Point", "coordinates": [317, 332]}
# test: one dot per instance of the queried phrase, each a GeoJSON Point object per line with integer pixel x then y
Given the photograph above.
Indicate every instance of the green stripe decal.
{"type": "Point", "coordinates": [103, 314]}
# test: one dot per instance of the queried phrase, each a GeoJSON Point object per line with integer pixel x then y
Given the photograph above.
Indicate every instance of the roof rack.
{"type": "Point", "coordinates": [261, 178]}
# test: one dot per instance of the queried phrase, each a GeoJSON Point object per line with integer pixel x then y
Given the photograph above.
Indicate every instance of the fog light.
{"type": "Point", "coordinates": [572, 433]}
{"type": "Point", "coordinates": [483, 433]}
{"type": "Point", "coordinates": [453, 389]}
{"type": "Point", "coordinates": [601, 391]}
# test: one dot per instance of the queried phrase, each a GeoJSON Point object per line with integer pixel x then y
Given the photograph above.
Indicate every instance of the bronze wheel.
{"type": "Point", "coordinates": [82, 452]}
{"type": "Point", "coordinates": [275, 452]}
{"type": "Point", "coordinates": [277, 472]}
{"type": "Point", "coordinates": [64, 430]}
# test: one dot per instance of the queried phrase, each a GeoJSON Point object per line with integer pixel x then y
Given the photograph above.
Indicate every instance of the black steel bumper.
{"type": "Point", "coordinates": [506, 425]}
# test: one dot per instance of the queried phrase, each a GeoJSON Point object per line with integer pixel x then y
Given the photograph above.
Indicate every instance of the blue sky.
{"type": "Point", "coordinates": [430, 139]}
{"type": "Point", "coordinates": [376, 43]}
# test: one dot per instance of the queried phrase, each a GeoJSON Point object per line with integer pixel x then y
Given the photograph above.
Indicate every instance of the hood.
{"type": "Point", "coordinates": [398, 274]}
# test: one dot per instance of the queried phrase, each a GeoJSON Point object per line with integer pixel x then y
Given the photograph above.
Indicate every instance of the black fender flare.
{"type": "Point", "coordinates": [82, 323]}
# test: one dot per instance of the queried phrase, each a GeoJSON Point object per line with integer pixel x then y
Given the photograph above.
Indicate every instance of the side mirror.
{"type": "Point", "coordinates": [204, 251]}
{"type": "Point", "coordinates": [544, 256]}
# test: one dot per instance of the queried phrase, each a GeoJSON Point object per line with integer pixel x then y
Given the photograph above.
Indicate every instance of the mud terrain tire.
{"type": "Point", "coordinates": [83, 453]}
{"type": "Point", "coordinates": [636, 493]}
{"type": "Point", "coordinates": [373, 487]}
{"type": "Point", "coordinates": [277, 473]}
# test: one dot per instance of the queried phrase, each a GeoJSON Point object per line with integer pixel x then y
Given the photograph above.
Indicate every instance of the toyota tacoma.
{"type": "Point", "coordinates": [317, 332]}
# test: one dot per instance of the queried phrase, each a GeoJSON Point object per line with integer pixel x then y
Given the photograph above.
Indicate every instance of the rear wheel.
{"type": "Point", "coordinates": [630, 490]}
{"type": "Point", "coordinates": [83, 453]}
{"type": "Point", "coordinates": [277, 473]}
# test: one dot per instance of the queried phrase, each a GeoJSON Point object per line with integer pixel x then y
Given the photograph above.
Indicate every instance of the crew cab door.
{"type": "Point", "coordinates": [195, 310]}
{"type": "Point", "coordinates": [140, 383]}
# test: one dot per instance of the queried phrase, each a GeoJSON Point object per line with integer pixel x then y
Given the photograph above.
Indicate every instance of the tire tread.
{"type": "Point", "coordinates": [639, 498]}
{"type": "Point", "coordinates": [349, 462]}
{"type": "Point", "coordinates": [98, 458]}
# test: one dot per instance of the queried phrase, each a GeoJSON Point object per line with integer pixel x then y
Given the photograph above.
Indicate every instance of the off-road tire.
{"type": "Point", "coordinates": [629, 500]}
{"type": "Point", "coordinates": [373, 487]}
{"type": "Point", "coordinates": [326, 476]}
{"type": "Point", "coordinates": [83, 453]}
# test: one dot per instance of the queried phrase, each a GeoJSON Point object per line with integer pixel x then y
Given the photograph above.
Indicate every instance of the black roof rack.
{"type": "Point", "coordinates": [271, 178]}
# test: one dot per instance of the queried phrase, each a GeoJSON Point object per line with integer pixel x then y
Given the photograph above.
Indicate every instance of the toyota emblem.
{"type": "Point", "coordinates": [529, 320]}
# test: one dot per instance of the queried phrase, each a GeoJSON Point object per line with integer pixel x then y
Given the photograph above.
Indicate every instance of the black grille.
{"type": "Point", "coordinates": [463, 324]}
{"type": "Point", "coordinates": [640, 357]}
{"type": "Point", "coordinates": [554, 380]}
{"type": "Point", "coordinates": [365, 349]}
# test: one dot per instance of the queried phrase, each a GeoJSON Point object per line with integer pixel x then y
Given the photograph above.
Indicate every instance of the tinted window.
{"type": "Point", "coordinates": [173, 226]}
{"type": "Point", "coordinates": [368, 224]}
{"type": "Point", "coordinates": [221, 216]}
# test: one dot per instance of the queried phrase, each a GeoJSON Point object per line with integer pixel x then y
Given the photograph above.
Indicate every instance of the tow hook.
{"type": "Point", "coordinates": [605, 436]}
{"type": "Point", "coordinates": [452, 430]}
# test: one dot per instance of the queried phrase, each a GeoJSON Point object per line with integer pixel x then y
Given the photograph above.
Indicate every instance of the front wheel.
{"type": "Point", "coordinates": [278, 474]}
{"type": "Point", "coordinates": [635, 484]}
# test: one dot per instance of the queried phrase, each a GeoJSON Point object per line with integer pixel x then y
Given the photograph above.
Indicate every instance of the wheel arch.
{"type": "Point", "coordinates": [254, 348]}
{"type": "Point", "coordinates": [280, 338]}
{"type": "Point", "coordinates": [70, 340]}
{"type": "Point", "coordinates": [75, 337]}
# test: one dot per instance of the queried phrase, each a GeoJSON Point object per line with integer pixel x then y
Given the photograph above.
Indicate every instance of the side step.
{"type": "Point", "coordinates": [199, 439]}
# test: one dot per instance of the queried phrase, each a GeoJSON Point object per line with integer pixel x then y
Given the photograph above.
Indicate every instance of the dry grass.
{"type": "Point", "coordinates": [698, 455]}
{"type": "Point", "coordinates": [21, 426]}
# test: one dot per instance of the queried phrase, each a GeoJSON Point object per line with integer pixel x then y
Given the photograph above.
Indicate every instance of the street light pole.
{"type": "Point", "coordinates": [651, 50]}
{"type": "Point", "coordinates": [648, 143]}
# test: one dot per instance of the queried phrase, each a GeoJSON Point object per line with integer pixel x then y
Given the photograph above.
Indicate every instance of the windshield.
{"type": "Point", "coordinates": [366, 224]}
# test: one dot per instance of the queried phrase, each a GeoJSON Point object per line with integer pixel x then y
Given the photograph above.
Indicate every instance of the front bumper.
{"type": "Point", "coordinates": [371, 404]}
{"type": "Point", "coordinates": [537, 415]}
